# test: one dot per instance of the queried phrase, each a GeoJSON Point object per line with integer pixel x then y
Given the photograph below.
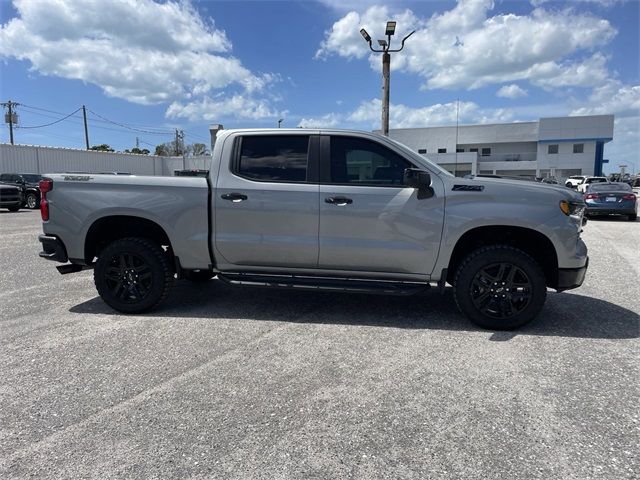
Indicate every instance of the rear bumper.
{"type": "Point", "coordinates": [610, 211]}
{"type": "Point", "coordinates": [569, 278]}
{"type": "Point", "coordinates": [53, 249]}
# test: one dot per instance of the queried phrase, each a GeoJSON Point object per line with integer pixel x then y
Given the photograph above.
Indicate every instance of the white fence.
{"type": "Point", "coordinates": [35, 159]}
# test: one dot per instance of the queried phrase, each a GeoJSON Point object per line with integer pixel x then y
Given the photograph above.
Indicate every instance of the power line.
{"type": "Point", "coordinates": [128, 127]}
{"type": "Point", "coordinates": [52, 123]}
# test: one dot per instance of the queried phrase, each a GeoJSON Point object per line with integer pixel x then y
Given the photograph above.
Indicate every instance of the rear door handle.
{"type": "Point", "coordinates": [234, 197]}
{"type": "Point", "coordinates": [340, 201]}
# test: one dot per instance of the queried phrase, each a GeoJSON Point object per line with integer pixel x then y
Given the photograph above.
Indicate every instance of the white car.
{"type": "Point", "coordinates": [575, 180]}
{"type": "Point", "coordinates": [582, 188]}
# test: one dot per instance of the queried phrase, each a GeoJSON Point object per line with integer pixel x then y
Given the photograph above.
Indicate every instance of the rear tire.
{"type": "Point", "coordinates": [13, 209]}
{"type": "Point", "coordinates": [199, 276]}
{"type": "Point", "coordinates": [133, 275]}
{"type": "Point", "coordinates": [633, 217]}
{"type": "Point", "coordinates": [499, 287]}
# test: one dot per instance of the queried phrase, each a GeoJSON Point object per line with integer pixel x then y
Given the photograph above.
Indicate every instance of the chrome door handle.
{"type": "Point", "coordinates": [234, 197]}
{"type": "Point", "coordinates": [340, 201]}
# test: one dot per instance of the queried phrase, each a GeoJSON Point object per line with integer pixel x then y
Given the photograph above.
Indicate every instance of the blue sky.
{"type": "Point", "coordinates": [155, 66]}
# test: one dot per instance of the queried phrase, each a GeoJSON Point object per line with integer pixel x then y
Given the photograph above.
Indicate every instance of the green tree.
{"type": "Point", "coordinates": [102, 148]}
{"type": "Point", "coordinates": [137, 150]}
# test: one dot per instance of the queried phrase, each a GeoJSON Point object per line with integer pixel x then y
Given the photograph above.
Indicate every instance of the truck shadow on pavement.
{"type": "Point", "coordinates": [564, 315]}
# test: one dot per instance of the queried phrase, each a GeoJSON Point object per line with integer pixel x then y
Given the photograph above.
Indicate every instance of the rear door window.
{"type": "Point", "coordinates": [275, 158]}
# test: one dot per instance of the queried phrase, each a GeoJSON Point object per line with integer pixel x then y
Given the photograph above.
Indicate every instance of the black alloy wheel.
{"type": "Point", "coordinates": [133, 275]}
{"type": "Point", "coordinates": [501, 290]}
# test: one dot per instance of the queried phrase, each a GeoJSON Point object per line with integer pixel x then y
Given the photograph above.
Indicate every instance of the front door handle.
{"type": "Point", "coordinates": [234, 197]}
{"type": "Point", "coordinates": [340, 201]}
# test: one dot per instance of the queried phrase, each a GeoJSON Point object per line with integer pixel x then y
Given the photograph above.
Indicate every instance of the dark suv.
{"type": "Point", "coordinates": [30, 183]}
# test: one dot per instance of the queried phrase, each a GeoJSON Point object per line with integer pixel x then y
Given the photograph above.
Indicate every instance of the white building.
{"type": "Point", "coordinates": [557, 147]}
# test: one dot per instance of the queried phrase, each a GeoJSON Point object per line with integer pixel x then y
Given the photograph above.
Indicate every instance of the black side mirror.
{"type": "Point", "coordinates": [416, 178]}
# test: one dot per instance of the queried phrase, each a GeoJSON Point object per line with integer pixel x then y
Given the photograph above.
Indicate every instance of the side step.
{"type": "Point", "coordinates": [326, 284]}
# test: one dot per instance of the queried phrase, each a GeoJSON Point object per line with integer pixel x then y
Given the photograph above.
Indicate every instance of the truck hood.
{"type": "Point", "coordinates": [543, 188]}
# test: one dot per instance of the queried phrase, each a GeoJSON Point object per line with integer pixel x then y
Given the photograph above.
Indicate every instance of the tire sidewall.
{"type": "Point", "coordinates": [499, 254]}
{"type": "Point", "coordinates": [153, 255]}
{"type": "Point", "coordinates": [35, 201]}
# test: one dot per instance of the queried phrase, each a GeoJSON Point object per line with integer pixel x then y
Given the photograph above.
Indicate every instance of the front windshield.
{"type": "Point", "coordinates": [413, 154]}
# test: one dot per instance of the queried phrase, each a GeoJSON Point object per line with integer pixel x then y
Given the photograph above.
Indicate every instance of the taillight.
{"type": "Point", "coordinates": [591, 196]}
{"type": "Point", "coordinates": [46, 185]}
{"type": "Point", "coordinates": [629, 196]}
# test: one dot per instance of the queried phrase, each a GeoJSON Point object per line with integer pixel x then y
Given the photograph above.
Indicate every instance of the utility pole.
{"type": "Point", "coordinates": [386, 67]}
{"type": "Point", "coordinates": [179, 142]}
{"type": "Point", "coordinates": [11, 117]}
{"type": "Point", "coordinates": [86, 129]}
{"type": "Point", "coordinates": [137, 143]}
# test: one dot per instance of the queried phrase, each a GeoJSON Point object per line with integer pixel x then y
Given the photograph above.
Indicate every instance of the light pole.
{"type": "Point", "coordinates": [386, 67]}
{"type": "Point", "coordinates": [279, 122]}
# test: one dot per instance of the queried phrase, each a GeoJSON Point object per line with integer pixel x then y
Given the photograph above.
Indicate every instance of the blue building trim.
{"type": "Point", "coordinates": [597, 167]}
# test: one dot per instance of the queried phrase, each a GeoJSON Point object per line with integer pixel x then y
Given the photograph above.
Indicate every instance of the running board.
{"type": "Point", "coordinates": [326, 284]}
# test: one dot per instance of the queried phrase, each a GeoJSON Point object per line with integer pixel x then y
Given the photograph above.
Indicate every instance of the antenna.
{"type": "Point", "coordinates": [455, 168]}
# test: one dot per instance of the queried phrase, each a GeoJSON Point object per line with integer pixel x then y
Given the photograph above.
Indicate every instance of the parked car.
{"type": "Point", "coordinates": [575, 180]}
{"type": "Point", "coordinates": [611, 199]}
{"type": "Point", "coordinates": [11, 196]}
{"type": "Point", "coordinates": [30, 182]}
{"type": "Point", "coordinates": [582, 188]}
{"type": "Point", "coordinates": [317, 210]}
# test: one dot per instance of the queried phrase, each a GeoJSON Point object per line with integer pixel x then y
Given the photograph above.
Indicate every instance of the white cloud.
{"type": "Point", "coordinates": [139, 50]}
{"type": "Point", "coordinates": [367, 116]}
{"type": "Point", "coordinates": [511, 91]}
{"type": "Point", "coordinates": [539, 47]}
{"type": "Point", "coordinates": [215, 109]}
{"type": "Point", "coordinates": [604, 3]}
{"type": "Point", "coordinates": [612, 97]}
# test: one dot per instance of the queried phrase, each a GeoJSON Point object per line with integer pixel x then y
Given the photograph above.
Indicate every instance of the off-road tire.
{"type": "Point", "coordinates": [466, 281]}
{"type": "Point", "coordinates": [151, 259]}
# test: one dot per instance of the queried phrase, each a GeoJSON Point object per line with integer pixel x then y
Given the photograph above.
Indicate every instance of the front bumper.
{"type": "Point", "coordinates": [53, 249]}
{"type": "Point", "coordinates": [569, 278]}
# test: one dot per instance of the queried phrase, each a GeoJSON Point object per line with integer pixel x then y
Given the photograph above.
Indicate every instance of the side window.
{"type": "Point", "coordinates": [274, 158]}
{"type": "Point", "coordinates": [552, 149]}
{"type": "Point", "coordinates": [362, 162]}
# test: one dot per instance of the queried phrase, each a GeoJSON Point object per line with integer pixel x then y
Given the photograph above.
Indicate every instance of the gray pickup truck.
{"type": "Point", "coordinates": [327, 210]}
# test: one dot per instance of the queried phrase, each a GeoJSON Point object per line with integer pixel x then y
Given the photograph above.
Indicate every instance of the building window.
{"type": "Point", "coordinates": [473, 150]}
{"type": "Point", "coordinates": [578, 148]}
{"type": "Point", "coordinates": [422, 150]}
{"type": "Point", "coordinates": [553, 149]}
{"type": "Point", "coordinates": [442, 150]}
{"type": "Point", "coordinates": [486, 152]}
{"type": "Point", "coordinates": [459, 150]}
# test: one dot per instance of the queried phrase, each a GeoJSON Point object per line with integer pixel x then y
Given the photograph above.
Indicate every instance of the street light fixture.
{"type": "Point", "coordinates": [279, 122]}
{"type": "Point", "coordinates": [386, 66]}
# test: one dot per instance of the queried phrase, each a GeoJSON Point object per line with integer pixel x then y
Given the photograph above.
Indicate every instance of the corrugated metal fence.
{"type": "Point", "coordinates": [36, 159]}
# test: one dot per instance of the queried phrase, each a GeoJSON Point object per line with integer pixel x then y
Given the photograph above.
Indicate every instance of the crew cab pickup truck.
{"type": "Point", "coordinates": [319, 210]}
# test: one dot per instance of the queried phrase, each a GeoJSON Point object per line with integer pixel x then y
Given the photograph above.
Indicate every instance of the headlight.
{"type": "Point", "coordinates": [574, 209]}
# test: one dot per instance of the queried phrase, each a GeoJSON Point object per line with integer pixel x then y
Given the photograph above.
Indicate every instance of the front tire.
{"type": "Point", "coordinates": [499, 287]}
{"type": "Point", "coordinates": [31, 201]}
{"type": "Point", "coordinates": [133, 275]}
{"type": "Point", "coordinates": [633, 217]}
{"type": "Point", "coordinates": [13, 209]}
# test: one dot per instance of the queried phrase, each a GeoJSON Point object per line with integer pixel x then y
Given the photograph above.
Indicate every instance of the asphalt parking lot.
{"type": "Point", "coordinates": [222, 382]}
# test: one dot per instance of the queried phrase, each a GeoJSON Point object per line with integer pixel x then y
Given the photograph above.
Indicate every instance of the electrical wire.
{"type": "Point", "coordinates": [130, 128]}
{"type": "Point", "coordinates": [52, 123]}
